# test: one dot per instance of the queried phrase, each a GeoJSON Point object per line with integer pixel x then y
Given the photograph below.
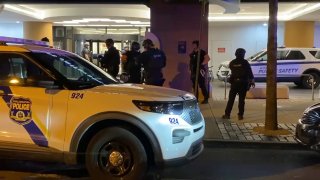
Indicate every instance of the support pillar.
{"type": "Point", "coordinates": [299, 34]}
{"type": "Point", "coordinates": [175, 24]}
{"type": "Point", "coordinates": [38, 30]}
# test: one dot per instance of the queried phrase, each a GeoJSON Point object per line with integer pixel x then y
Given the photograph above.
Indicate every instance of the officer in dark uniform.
{"type": "Point", "coordinates": [111, 59]}
{"type": "Point", "coordinates": [202, 70]}
{"type": "Point", "coordinates": [241, 80]}
{"type": "Point", "coordinates": [153, 60]}
{"type": "Point", "coordinates": [132, 66]}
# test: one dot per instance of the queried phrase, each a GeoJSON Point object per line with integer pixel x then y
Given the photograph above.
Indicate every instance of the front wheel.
{"type": "Point", "coordinates": [116, 153]}
{"type": "Point", "coordinates": [307, 80]}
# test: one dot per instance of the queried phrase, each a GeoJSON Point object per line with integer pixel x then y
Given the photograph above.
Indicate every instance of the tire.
{"type": "Point", "coordinates": [306, 81]}
{"type": "Point", "coordinates": [116, 153]}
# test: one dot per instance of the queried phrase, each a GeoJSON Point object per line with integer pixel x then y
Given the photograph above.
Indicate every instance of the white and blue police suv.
{"type": "Point", "coordinates": [57, 106]}
{"type": "Point", "coordinates": [298, 65]}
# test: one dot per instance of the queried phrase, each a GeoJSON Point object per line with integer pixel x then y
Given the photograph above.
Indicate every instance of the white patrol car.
{"type": "Point", "coordinates": [56, 106]}
{"type": "Point", "coordinates": [298, 65]}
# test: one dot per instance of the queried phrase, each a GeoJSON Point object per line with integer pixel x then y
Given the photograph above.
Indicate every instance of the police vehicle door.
{"type": "Point", "coordinates": [288, 65]}
{"type": "Point", "coordinates": [259, 66]}
{"type": "Point", "coordinates": [26, 103]}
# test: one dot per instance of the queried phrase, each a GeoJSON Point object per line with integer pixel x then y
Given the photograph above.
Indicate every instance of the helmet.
{"type": "Point", "coordinates": [135, 46]}
{"type": "Point", "coordinates": [147, 43]}
{"type": "Point", "coordinates": [240, 52]}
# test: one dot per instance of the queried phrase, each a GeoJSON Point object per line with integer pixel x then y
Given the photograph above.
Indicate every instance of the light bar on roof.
{"type": "Point", "coordinates": [12, 40]}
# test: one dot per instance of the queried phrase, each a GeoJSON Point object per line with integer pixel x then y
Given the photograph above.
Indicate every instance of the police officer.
{"type": "Point", "coordinates": [131, 65]}
{"type": "Point", "coordinates": [111, 59]}
{"type": "Point", "coordinates": [202, 70]}
{"type": "Point", "coordinates": [153, 60]}
{"type": "Point", "coordinates": [241, 80]}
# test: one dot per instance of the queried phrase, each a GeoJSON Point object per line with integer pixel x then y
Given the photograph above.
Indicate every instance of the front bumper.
{"type": "Point", "coordinates": [195, 150]}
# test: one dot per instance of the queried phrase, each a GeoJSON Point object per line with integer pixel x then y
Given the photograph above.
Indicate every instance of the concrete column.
{"type": "Point", "coordinates": [173, 24]}
{"type": "Point", "coordinates": [38, 30]}
{"type": "Point", "coordinates": [299, 33]}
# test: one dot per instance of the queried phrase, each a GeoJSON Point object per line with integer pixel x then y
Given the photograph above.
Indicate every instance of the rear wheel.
{"type": "Point", "coordinates": [116, 153]}
{"type": "Point", "coordinates": [307, 80]}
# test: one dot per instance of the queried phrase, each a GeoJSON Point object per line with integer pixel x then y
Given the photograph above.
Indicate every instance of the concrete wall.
{"type": "Point", "coordinates": [229, 36]}
{"type": "Point", "coordinates": [11, 30]}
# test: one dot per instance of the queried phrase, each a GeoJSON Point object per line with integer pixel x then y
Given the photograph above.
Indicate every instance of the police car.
{"type": "Point", "coordinates": [56, 106]}
{"type": "Point", "coordinates": [298, 65]}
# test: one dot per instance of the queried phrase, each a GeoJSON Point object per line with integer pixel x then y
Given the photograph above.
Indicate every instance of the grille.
{"type": "Point", "coordinates": [191, 112]}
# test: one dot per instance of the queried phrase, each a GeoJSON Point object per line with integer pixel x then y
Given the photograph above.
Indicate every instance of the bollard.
{"type": "Point", "coordinates": [312, 86]}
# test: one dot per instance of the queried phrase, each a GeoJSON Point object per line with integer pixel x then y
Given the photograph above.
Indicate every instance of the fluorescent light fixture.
{"type": "Point", "coordinates": [265, 24]}
{"type": "Point", "coordinates": [75, 25]}
{"type": "Point", "coordinates": [138, 22]}
{"type": "Point", "coordinates": [24, 10]}
{"type": "Point", "coordinates": [142, 25]}
{"type": "Point", "coordinates": [235, 18]}
{"type": "Point", "coordinates": [97, 25]}
{"type": "Point", "coordinates": [304, 11]}
{"type": "Point", "coordinates": [289, 15]}
{"type": "Point", "coordinates": [122, 25]}
{"type": "Point", "coordinates": [96, 19]}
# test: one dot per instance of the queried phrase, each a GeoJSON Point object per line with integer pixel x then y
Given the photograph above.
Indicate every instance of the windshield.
{"type": "Point", "coordinates": [255, 56]}
{"type": "Point", "coordinates": [79, 73]}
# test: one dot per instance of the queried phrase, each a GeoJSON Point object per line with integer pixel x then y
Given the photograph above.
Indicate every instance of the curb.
{"type": "Point", "coordinates": [218, 143]}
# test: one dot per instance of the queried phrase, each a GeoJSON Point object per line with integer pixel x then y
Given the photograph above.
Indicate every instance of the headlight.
{"type": "Point", "coordinates": [174, 108]}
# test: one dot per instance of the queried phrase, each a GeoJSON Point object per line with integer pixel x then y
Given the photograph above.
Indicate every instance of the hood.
{"type": "Point", "coordinates": [225, 64]}
{"type": "Point", "coordinates": [145, 91]}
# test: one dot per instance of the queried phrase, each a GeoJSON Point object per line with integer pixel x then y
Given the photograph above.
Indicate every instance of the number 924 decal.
{"type": "Point", "coordinates": [77, 96]}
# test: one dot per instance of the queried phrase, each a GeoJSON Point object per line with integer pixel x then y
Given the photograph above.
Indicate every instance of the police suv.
{"type": "Point", "coordinates": [298, 65]}
{"type": "Point", "coordinates": [56, 106]}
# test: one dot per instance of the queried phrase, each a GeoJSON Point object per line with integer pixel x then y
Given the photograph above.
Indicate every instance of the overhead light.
{"type": "Point", "coordinates": [121, 25]}
{"type": "Point", "coordinates": [142, 25]}
{"type": "Point", "coordinates": [289, 15]}
{"type": "Point", "coordinates": [97, 25]}
{"type": "Point", "coordinates": [234, 18]}
{"type": "Point", "coordinates": [17, 22]}
{"type": "Point", "coordinates": [265, 24]}
{"type": "Point", "coordinates": [24, 10]}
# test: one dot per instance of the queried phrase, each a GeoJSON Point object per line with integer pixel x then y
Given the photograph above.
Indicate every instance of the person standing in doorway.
{"type": "Point", "coordinates": [241, 80]}
{"type": "Point", "coordinates": [111, 59]}
{"type": "Point", "coordinates": [152, 60]}
{"type": "Point", "coordinates": [204, 59]}
{"type": "Point", "coordinates": [86, 53]}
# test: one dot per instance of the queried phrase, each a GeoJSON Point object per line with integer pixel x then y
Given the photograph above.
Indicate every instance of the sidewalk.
{"type": "Point", "coordinates": [218, 129]}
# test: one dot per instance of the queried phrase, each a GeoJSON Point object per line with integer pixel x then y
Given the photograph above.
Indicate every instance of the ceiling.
{"type": "Point", "coordinates": [134, 16]}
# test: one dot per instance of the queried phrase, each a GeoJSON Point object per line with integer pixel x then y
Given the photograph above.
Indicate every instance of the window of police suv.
{"type": "Point", "coordinates": [78, 72]}
{"type": "Point", "coordinates": [281, 55]}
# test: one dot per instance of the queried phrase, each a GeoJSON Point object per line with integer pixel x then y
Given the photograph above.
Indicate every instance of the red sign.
{"type": "Point", "coordinates": [221, 50]}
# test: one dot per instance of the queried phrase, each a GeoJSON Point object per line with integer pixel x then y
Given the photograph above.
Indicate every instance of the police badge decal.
{"type": "Point", "coordinates": [20, 110]}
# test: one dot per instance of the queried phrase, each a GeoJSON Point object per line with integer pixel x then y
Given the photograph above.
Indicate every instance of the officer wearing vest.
{"type": "Point", "coordinates": [132, 66]}
{"type": "Point", "coordinates": [152, 60]}
{"type": "Point", "coordinates": [241, 80]}
{"type": "Point", "coordinates": [111, 59]}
